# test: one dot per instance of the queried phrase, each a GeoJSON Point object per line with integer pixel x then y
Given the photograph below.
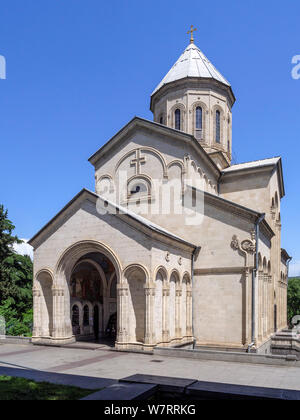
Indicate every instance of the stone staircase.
{"type": "Point", "coordinates": [286, 342]}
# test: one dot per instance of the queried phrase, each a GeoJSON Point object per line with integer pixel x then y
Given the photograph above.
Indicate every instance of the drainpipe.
{"type": "Point", "coordinates": [195, 252]}
{"type": "Point", "coordinates": [254, 274]}
{"type": "Point", "coordinates": [288, 268]}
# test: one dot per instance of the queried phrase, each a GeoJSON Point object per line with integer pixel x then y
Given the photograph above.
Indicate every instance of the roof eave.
{"type": "Point", "coordinates": [137, 121]}
{"type": "Point", "coordinates": [209, 79]}
{"type": "Point", "coordinates": [159, 232]}
{"type": "Point", "coordinates": [261, 168]}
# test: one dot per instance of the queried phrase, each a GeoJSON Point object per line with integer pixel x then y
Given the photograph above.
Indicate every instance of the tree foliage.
{"type": "Point", "coordinates": [293, 297]}
{"type": "Point", "coordinates": [15, 281]}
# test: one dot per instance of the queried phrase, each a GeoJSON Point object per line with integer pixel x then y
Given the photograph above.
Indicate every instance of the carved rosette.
{"type": "Point", "coordinates": [247, 245]}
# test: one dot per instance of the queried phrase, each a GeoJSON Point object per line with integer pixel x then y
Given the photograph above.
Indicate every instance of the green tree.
{"type": "Point", "coordinates": [293, 297]}
{"type": "Point", "coordinates": [15, 281]}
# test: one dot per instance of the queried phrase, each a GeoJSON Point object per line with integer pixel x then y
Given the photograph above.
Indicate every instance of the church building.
{"type": "Point", "coordinates": [176, 245]}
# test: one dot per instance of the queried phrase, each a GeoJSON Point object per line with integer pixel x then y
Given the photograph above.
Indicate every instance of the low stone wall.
{"type": "Point", "coordinates": [9, 339]}
{"type": "Point", "coordinates": [225, 356]}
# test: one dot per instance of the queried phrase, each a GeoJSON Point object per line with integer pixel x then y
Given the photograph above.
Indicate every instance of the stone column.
{"type": "Point", "coordinates": [122, 313]}
{"type": "Point", "coordinates": [270, 305]}
{"type": "Point", "coordinates": [177, 312]}
{"type": "Point", "coordinates": [36, 332]}
{"type": "Point", "coordinates": [58, 312]}
{"type": "Point", "coordinates": [260, 305]}
{"type": "Point", "coordinates": [189, 313]}
{"type": "Point", "coordinates": [149, 329]}
{"type": "Point", "coordinates": [165, 314]}
{"type": "Point", "coordinates": [265, 304]}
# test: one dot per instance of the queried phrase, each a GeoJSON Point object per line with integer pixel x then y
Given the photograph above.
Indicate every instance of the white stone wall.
{"type": "Point", "coordinates": [187, 98]}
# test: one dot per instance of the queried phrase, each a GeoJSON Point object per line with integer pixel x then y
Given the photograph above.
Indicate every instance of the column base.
{"type": "Point", "coordinates": [51, 341]}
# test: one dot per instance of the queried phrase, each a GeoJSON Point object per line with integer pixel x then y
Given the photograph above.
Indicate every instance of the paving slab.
{"type": "Point", "coordinates": [213, 390]}
{"type": "Point", "coordinates": [85, 382]}
{"type": "Point", "coordinates": [165, 383]}
{"type": "Point", "coordinates": [123, 391]}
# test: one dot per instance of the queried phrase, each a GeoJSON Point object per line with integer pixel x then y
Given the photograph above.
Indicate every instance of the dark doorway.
{"type": "Point", "coordinates": [111, 329]}
{"type": "Point", "coordinates": [275, 318]}
{"type": "Point", "coordinates": [75, 320]}
{"type": "Point", "coordinates": [96, 323]}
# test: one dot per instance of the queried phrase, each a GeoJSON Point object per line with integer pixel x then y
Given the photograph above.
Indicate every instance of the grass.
{"type": "Point", "coordinates": [25, 389]}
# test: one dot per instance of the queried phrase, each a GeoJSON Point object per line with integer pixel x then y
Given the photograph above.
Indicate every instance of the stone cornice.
{"type": "Point", "coordinates": [222, 270]}
{"type": "Point", "coordinates": [191, 83]}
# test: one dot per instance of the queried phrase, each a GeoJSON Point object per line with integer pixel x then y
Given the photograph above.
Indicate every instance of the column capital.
{"type": "Point", "coordinates": [57, 290]}
{"type": "Point", "coordinates": [149, 291]}
{"type": "Point", "coordinates": [122, 289]}
{"type": "Point", "coordinates": [36, 292]}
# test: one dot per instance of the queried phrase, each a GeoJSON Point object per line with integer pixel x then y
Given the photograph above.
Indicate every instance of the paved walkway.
{"type": "Point", "coordinates": [100, 367]}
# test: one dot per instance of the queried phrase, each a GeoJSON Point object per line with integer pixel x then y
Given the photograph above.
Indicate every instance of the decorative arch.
{"type": "Point", "coordinates": [137, 277]}
{"type": "Point", "coordinates": [259, 262]}
{"type": "Point", "coordinates": [176, 275]}
{"type": "Point", "coordinates": [214, 111]}
{"type": "Point", "coordinates": [182, 109]}
{"type": "Point", "coordinates": [276, 201]}
{"type": "Point", "coordinates": [163, 271]}
{"type": "Point", "coordinates": [186, 277]}
{"type": "Point", "coordinates": [143, 149]}
{"type": "Point", "coordinates": [43, 303]}
{"type": "Point", "coordinates": [72, 254]}
{"type": "Point", "coordinates": [136, 266]}
{"type": "Point", "coordinates": [264, 265]}
{"type": "Point", "coordinates": [201, 134]}
{"type": "Point", "coordinates": [111, 282]}
{"type": "Point", "coordinates": [162, 118]}
{"type": "Point", "coordinates": [141, 181]}
{"type": "Point", "coordinates": [269, 268]}
{"type": "Point", "coordinates": [110, 181]}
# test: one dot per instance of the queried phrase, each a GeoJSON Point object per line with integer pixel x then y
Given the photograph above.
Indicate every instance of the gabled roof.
{"type": "Point", "coordinates": [138, 122]}
{"type": "Point", "coordinates": [235, 208]}
{"type": "Point", "coordinates": [259, 165]}
{"type": "Point", "coordinates": [192, 63]}
{"type": "Point", "coordinates": [253, 164]}
{"type": "Point", "coordinates": [120, 212]}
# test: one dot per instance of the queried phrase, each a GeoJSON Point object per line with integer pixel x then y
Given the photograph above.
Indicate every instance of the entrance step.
{"type": "Point", "coordinates": [89, 345]}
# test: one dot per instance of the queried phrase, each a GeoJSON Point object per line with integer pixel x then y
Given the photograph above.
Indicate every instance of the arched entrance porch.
{"type": "Point", "coordinates": [86, 277]}
{"type": "Point", "coordinates": [93, 298]}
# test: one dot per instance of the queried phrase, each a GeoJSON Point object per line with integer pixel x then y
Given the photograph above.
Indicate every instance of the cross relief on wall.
{"type": "Point", "coordinates": [138, 161]}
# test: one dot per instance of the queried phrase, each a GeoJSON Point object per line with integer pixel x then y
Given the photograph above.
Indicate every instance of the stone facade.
{"type": "Point", "coordinates": [176, 244]}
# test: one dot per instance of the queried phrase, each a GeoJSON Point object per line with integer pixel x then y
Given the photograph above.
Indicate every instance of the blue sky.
{"type": "Point", "coordinates": [77, 71]}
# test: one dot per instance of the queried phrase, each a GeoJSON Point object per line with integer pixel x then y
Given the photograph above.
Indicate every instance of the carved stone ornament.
{"type": "Point", "coordinates": [168, 257]}
{"type": "Point", "coordinates": [180, 261]}
{"type": "Point", "coordinates": [235, 242]}
{"type": "Point", "coordinates": [247, 245]}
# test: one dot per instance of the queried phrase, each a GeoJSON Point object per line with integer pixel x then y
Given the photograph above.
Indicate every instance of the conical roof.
{"type": "Point", "coordinates": [192, 63]}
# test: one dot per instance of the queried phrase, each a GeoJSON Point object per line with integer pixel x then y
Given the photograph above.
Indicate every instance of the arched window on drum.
{"type": "Point", "coordinates": [199, 123]}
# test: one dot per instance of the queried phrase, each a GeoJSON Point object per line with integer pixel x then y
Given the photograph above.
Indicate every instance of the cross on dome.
{"type": "Point", "coordinates": [191, 31]}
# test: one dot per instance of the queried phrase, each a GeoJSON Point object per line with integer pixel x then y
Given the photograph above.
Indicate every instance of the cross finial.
{"type": "Point", "coordinates": [192, 30]}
